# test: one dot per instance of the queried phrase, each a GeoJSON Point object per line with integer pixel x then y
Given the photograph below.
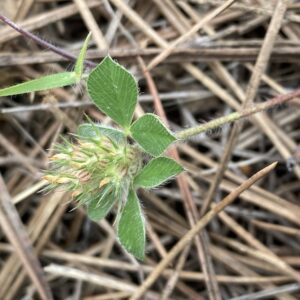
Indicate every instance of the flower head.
{"type": "Point", "coordinates": [93, 168]}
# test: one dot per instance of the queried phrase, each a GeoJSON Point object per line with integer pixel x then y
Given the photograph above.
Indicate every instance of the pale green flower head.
{"type": "Point", "coordinates": [93, 168]}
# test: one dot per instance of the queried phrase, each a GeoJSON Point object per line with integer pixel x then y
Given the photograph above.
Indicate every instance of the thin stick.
{"type": "Point", "coordinates": [100, 280]}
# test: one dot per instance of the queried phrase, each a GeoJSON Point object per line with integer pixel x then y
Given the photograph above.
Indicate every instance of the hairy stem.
{"type": "Point", "coordinates": [42, 42]}
{"type": "Point", "coordinates": [187, 133]}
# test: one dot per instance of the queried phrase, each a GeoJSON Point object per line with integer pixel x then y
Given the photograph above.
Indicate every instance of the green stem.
{"type": "Point", "coordinates": [187, 133]}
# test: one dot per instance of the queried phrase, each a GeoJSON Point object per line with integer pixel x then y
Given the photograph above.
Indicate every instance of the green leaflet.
{"type": "Point", "coordinates": [114, 90]}
{"type": "Point", "coordinates": [93, 130]}
{"type": "Point", "coordinates": [156, 172]}
{"type": "Point", "coordinates": [131, 227]}
{"type": "Point", "coordinates": [150, 133]}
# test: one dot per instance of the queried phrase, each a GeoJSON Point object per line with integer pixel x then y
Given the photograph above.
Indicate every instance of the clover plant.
{"type": "Point", "coordinates": [105, 166]}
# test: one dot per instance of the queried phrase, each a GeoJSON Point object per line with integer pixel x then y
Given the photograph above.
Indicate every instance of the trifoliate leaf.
{"type": "Point", "coordinates": [151, 134]}
{"type": "Point", "coordinates": [131, 227]}
{"type": "Point", "coordinates": [114, 90]}
{"type": "Point", "coordinates": [156, 172]}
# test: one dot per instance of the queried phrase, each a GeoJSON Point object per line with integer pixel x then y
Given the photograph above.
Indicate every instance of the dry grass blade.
{"type": "Point", "coordinates": [16, 233]}
{"type": "Point", "coordinates": [279, 228]}
{"type": "Point", "coordinates": [68, 272]}
{"type": "Point", "coordinates": [240, 231]}
{"type": "Point", "coordinates": [272, 292]}
{"type": "Point", "coordinates": [91, 24]}
{"type": "Point", "coordinates": [166, 52]}
{"type": "Point", "coordinates": [174, 278]}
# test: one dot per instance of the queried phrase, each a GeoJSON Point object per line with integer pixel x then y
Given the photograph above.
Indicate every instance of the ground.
{"type": "Point", "coordinates": [239, 55]}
